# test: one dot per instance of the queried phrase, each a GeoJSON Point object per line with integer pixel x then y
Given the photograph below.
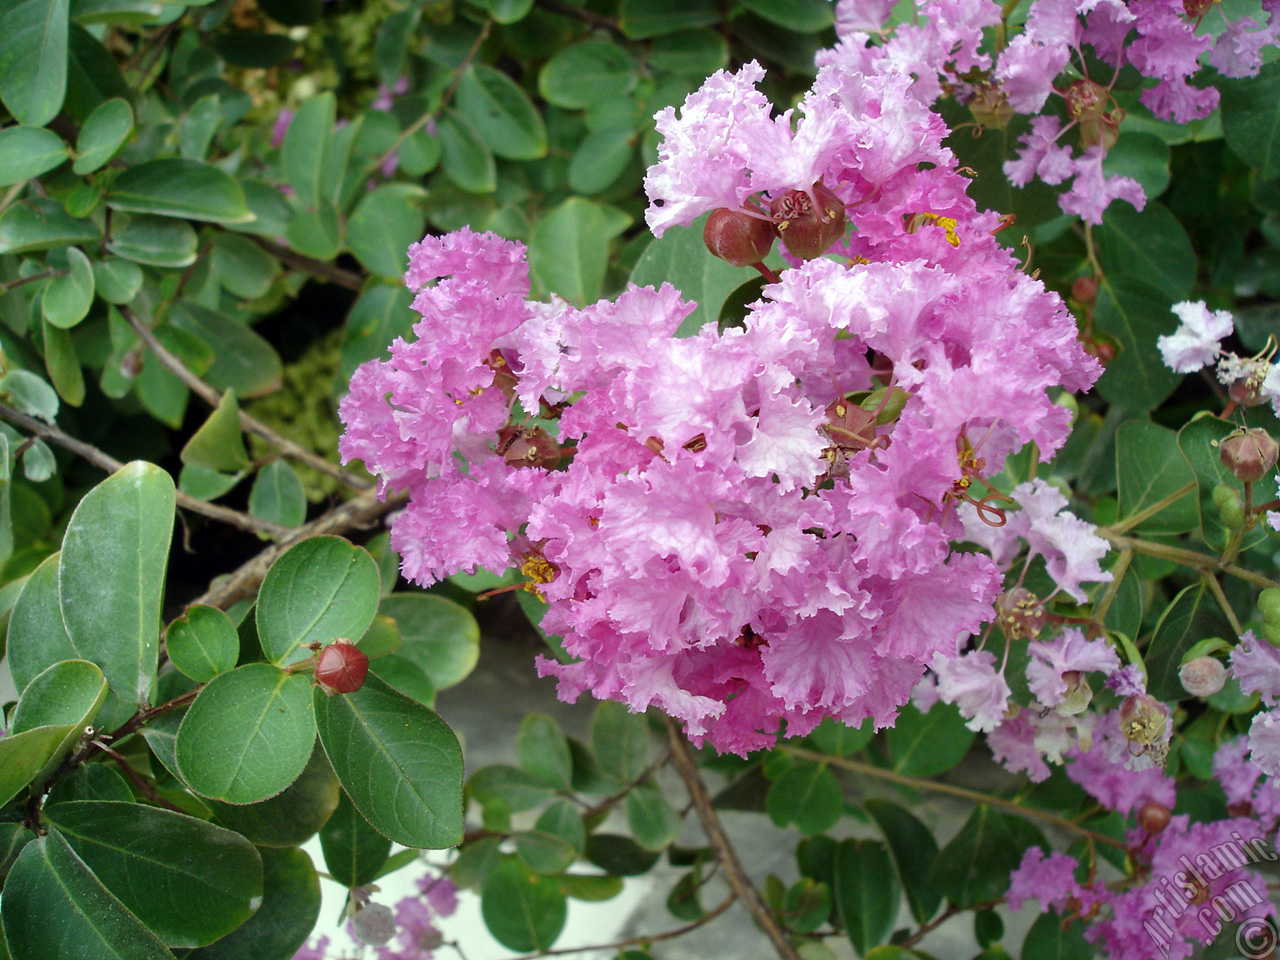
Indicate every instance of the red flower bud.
{"type": "Point", "coordinates": [738, 238]}
{"type": "Point", "coordinates": [1250, 454]}
{"type": "Point", "coordinates": [809, 223]}
{"type": "Point", "coordinates": [341, 668]}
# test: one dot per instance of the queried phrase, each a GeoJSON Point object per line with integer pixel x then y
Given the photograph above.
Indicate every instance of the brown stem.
{"type": "Point", "coordinates": [50, 433]}
{"type": "Point", "coordinates": [13, 284]}
{"type": "Point", "coordinates": [636, 941]}
{"type": "Point", "coordinates": [243, 581]}
{"type": "Point", "coordinates": [971, 795]}
{"type": "Point", "coordinates": [248, 422]}
{"type": "Point", "coordinates": [578, 13]}
{"type": "Point", "coordinates": [942, 918]}
{"type": "Point", "coordinates": [317, 268]}
{"type": "Point", "coordinates": [147, 789]}
{"type": "Point", "coordinates": [687, 766]}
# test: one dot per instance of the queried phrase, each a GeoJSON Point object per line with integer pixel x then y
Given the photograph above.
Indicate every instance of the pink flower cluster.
{"type": "Point", "coordinates": [1187, 882]}
{"type": "Point", "coordinates": [749, 527]}
{"type": "Point", "coordinates": [1051, 56]}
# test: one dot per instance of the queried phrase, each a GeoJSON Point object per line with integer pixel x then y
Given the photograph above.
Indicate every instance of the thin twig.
{"type": "Point", "coordinates": [740, 883]}
{"type": "Point", "coordinates": [971, 795]}
{"type": "Point", "coordinates": [243, 581]}
{"type": "Point", "coordinates": [578, 13]}
{"type": "Point", "coordinates": [1190, 558]}
{"type": "Point", "coordinates": [319, 269]}
{"type": "Point", "coordinates": [14, 284]}
{"type": "Point", "coordinates": [636, 941]}
{"type": "Point", "coordinates": [50, 433]}
{"type": "Point", "coordinates": [248, 422]}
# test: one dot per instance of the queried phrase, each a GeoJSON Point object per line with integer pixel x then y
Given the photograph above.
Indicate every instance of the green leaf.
{"type": "Point", "coordinates": [544, 853]}
{"type": "Point", "coordinates": [277, 495]}
{"type": "Point", "coordinates": [320, 590]}
{"type": "Point", "coordinates": [841, 740]}
{"type": "Point", "coordinates": [248, 735]}
{"type": "Point", "coordinates": [54, 908]}
{"type": "Point", "coordinates": [316, 232]}
{"type": "Point", "coordinates": [102, 135]}
{"type": "Point", "coordinates": [1251, 119]}
{"type": "Point", "coordinates": [354, 852]}
{"type": "Point", "coordinates": [807, 795]}
{"type": "Point", "coordinates": [291, 817]}
{"type": "Point", "coordinates": [1144, 157]}
{"type": "Point", "coordinates": [516, 789]}
{"type": "Point", "coordinates": [27, 152]}
{"type": "Point", "coordinates": [203, 643]}
{"type": "Point", "coordinates": [123, 525]}
{"type": "Point", "coordinates": [37, 636]}
{"type": "Point", "coordinates": [219, 444]}
{"type": "Point", "coordinates": [206, 484]}
{"type": "Point", "coordinates": [509, 11]}
{"type": "Point", "coordinates": [33, 58]}
{"type": "Point", "coordinates": [866, 892]}
{"type": "Point", "coordinates": [1135, 314]}
{"type": "Point", "coordinates": [679, 257]}
{"type": "Point", "coordinates": [437, 634]}
{"type": "Point", "coordinates": [380, 315]}
{"type": "Point", "coordinates": [67, 693]}
{"type": "Point", "coordinates": [544, 751]}
{"type": "Point", "coordinates": [30, 394]}
{"type": "Point", "coordinates": [92, 75]}
{"type": "Point", "coordinates": [25, 756]}
{"type": "Point", "coordinates": [1052, 937]}
{"type": "Point", "coordinates": [90, 781]}
{"type": "Point", "coordinates": [399, 762]}
{"type": "Point", "coordinates": [67, 299]}
{"type": "Point", "coordinates": [467, 160]}
{"type": "Point", "coordinates": [802, 16]}
{"type": "Point", "coordinates": [600, 159]}
{"type": "Point", "coordinates": [41, 224]}
{"type": "Point", "coordinates": [1150, 467]}
{"type": "Point", "coordinates": [579, 75]}
{"type": "Point", "coordinates": [1199, 442]}
{"type": "Point", "coordinates": [63, 366]}
{"type": "Point", "coordinates": [619, 855]}
{"type": "Point", "coordinates": [652, 18]}
{"type": "Point", "coordinates": [383, 225]}
{"type": "Point", "coordinates": [242, 267]}
{"type": "Point", "coordinates": [975, 866]}
{"type": "Point", "coordinates": [1150, 247]}
{"type": "Point", "coordinates": [174, 187]}
{"type": "Point", "coordinates": [698, 53]}
{"type": "Point", "coordinates": [569, 251]}
{"type": "Point", "coordinates": [308, 146]}
{"type": "Point", "coordinates": [914, 850]}
{"type": "Point", "coordinates": [562, 819]}
{"type": "Point", "coordinates": [475, 861]}
{"type": "Point", "coordinates": [591, 888]}
{"type": "Point", "coordinates": [522, 910]}
{"type": "Point", "coordinates": [243, 360]}
{"type": "Point", "coordinates": [406, 677]}
{"type": "Point", "coordinates": [502, 114]}
{"type": "Point", "coordinates": [923, 745]}
{"type": "Point", "coordinates": [154, 241]}
{"type": "Point", "coordinates": [620, 740]}
{"type": "Point", "coordinates": [654, 823]}
{"type": "Point", "coordinates": [189, 881]}
{"type": "Point", "coordinates": [1192, 616]}
{"type": "Point", "coordinates": [289, 911]}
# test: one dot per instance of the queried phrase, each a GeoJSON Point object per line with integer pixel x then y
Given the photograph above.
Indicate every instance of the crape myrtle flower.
{"type": "Point", "coordinates": [747, 528]}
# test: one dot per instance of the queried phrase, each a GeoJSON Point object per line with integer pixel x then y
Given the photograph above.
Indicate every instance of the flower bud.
{"type": "Point", "coordinates": [341, 668]}
{"type": "Point", "coordinates": [1269, 605]}
{"type": "Point", "coordinates": [1203, 676]}
{"type": "Point", "coordinates": [1250, 454]}
{"type": "Point", "coordinates": [1085, 289]}
{"type": "Point", "coordinates": [990, 107]}
{"type": "Point", "coordinates": [374, 924]}
{"type": "Point", "coordinates": [738, 238]}
{"type": "Point", "coordinates": [1154, 817]}
{"type": "Point", "coordinates": [809, 223]}
{"type": "Point", "coordinates": [528, 447]}
{"type": "Point", "coordinates": [1230, 510]}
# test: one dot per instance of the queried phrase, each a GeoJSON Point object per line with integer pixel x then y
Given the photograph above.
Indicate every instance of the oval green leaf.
{"type": "Point", "coordinates": [620, 740]}
{"type": "Point", "coordinates": [383, 225]}
{"type": "Point", "coordinates": [27, 152]}
{"type": "Point", "coordinates": [975, 866]}
{"type": "Point", "coordinates": [154, 241]}
{"type": "Point", "coordinates": [123, 525]}
{"type": "Point", "coordinates": [914, 849]}
{"type": "Point", "coordinates": [174, 187]}
{"type": "Point", "coordinates": [579, 75]}
{"type": "Point", "coordinates": [40, 224]}
{"type": "Point", "coordinates": [522, 910]}
{"type": "Point", "coordinates": [203, 643]}
{"type": "Point", "coordinates": [33, 58]}
{"type": "Point", "coordinates": [467, 160]}
{"type": "Point", "coordinates": [438, 635]}
{"type": "Point", "coordinates": [102, 135]}
{"type": "Point", "coordinates": [248, 735]}
{"type": "Point", "coordinates": [54, 908]}
{"type": "Point", "coordinates": [654, 823]}
{"type": "Point", "coordinates": [807, 795]}
{"type": "Point", "coordinates": [277, 495]}
{"type": "Point", "coordinates": [219, 444]}
{"type": "Point", "coordinates": [67, 299]}
{"type": "Point", "coordinates": [569, 251]}
{"type": "Point", "coordinates": [544, 751]}
{"type": "Point", "coordinates": [321, 589]}
{"type": "Point", "coordinates": [354, 852]}
{"type": "Point", "coordinates": [502, 114]}
{"type": "Point", "coordinates": [188, 880]}
{"type": "Point", "coordinates": [308, 147]}
{"type": "Point", "coordinates": [923, 745]}
{"type": "Point", "coordinates": [37, 636]}
{"type": "Point", "coordinates": [289, 818]}
{"type": "Point", "coordinates": [866, 892]}
{"type": "Point", "coordinates": [68, 693]}
{"type": "Point", "coordinates": [399, 762]}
